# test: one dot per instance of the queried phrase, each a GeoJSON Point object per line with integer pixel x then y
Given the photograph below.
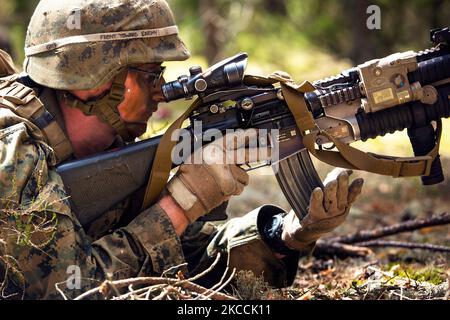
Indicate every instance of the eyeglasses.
{"type": "Point", "coordinates": [152, 77]}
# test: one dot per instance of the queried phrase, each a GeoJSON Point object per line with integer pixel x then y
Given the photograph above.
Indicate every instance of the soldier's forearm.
{"type": "Point", "coordinates": [175, 214]}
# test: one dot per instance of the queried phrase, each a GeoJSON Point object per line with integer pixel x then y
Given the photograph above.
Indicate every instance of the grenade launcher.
{"type": "Point", "coordinates": [404, 90]}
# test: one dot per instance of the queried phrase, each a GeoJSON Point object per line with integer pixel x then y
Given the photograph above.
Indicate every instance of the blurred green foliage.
{"type": "Point", "coordinates": [310, 39]}
{"type": "Point", "coordinates": [14, 18]}
{"type": "Point", "coordinates": [269, 29]}
{"type": "Point", "coordinates": [272, 30]}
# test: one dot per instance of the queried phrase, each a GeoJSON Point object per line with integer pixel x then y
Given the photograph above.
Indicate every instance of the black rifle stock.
{"type": "Point", "coordinates": [409, 90]}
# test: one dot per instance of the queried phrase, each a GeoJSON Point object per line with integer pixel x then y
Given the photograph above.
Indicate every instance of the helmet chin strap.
{"type": "Point", "coordinates": [104, 108]}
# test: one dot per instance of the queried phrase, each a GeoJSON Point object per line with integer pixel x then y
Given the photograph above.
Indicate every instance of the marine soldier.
{"type": "Point", "coordinates": [89, 89]}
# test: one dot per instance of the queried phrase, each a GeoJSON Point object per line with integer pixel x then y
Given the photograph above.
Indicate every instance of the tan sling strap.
{"type": "Point", "coordinates": [292, 93]}
{"type": "Point", "coordinates": [352, 158]}
{"type": "Point", "coordinates": [347, 156]}
{"type": "Point", "coordinates": [23, 101]}
{"type": "Point", "coordinates": [294, 96]}
{"type": "Point", "coordinates": [162, 163]}
{"type": "Point", "coordinates": [106, 107]}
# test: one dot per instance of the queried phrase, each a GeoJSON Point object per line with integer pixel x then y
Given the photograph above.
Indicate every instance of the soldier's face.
{"type": "Point", "coordinates": [89, 134]}
{"type": "Point", "coordinates": [142, 95]}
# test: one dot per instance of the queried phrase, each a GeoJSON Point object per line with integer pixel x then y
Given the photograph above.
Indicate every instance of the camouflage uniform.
{"type": "Point", "coordinates": [146, 246]}
{"type": "Point", "coordinates": [44, 243]}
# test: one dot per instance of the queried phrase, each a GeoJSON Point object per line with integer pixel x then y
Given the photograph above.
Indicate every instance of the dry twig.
{"type": "Point", "coordinates": [407, 245]}
{"type": "Point", "coordinates": [163, 288]}
{"type": "Point", "coordinates": [150, 281]}
{"type": "Point", "coordinates": [354, 245]}
{"type": "Point", "coordinates": [325, 247]}
{"type": "Point", "coordinates": [412, 225]}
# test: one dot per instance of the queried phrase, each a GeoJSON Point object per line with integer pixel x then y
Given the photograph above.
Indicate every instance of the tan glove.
{"type": "Point", "coordinates": [199, 188]}
{"type": "Point", "coordinates": [328, 209]}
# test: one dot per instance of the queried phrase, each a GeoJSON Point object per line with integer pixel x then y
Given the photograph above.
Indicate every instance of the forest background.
{"type": "Point", "coordinates": [311, 39]}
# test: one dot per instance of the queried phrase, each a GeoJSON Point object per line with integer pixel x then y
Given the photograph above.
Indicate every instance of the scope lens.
{"type": "Point", "coordinates": [172, 90]}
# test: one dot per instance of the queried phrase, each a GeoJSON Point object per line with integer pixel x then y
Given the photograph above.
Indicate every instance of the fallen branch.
{"type": "Point", "coordinates": [367, 235]}
{"type": "Point", "coordinates": [324, 248]}
{"type": "Point", "coordinates": [408, 245]}
{"type": "Point", "coordinates": [355, 245]}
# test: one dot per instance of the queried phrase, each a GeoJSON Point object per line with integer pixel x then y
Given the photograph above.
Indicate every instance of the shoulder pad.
{"type": "Point", "coordinates": [24, 101]}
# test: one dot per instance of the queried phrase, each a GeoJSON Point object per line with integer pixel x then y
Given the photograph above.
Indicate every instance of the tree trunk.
{"type": "Point", "coordinates": [276, 6]}
{"type": "Point", "coordinates": [213, 30]}
{"type": "Point", "coordinates": [361, 46]}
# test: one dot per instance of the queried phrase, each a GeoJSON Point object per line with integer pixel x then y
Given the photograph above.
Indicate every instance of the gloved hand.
{"type": "Point", "coordinates": [199, 188]}
{"type": "Point", "coordinates": [328, 209]}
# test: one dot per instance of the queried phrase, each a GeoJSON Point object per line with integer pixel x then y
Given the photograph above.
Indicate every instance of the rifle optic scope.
{"type": "Point", "coordinates": [228, 72]}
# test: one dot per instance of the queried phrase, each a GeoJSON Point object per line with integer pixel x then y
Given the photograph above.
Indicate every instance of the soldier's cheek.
{"type": "Point", "coordinates": [134, 106]}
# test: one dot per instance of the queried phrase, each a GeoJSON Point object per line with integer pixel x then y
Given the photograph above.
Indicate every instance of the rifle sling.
{"type": "Point", "coordinates": [162, 163]}
{"type": "Point", "coordinates": [352, 158]}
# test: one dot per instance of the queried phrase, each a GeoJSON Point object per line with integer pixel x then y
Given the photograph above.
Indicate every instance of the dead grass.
{"type": "Point", "coordinates": [24, 225]}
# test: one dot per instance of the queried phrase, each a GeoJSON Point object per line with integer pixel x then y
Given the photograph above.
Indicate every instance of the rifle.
{"type": "Point", "coordinates": [404, 90]}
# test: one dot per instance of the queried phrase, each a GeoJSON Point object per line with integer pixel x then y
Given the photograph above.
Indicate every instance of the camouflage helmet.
{"type": "Point", "coordinates": [82, 44]}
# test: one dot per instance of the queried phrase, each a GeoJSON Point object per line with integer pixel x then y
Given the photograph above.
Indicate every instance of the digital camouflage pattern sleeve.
{"type": "Point", "coordinates": [44, 239]}
{"type": "Point", "coordinates": [43, 246]}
